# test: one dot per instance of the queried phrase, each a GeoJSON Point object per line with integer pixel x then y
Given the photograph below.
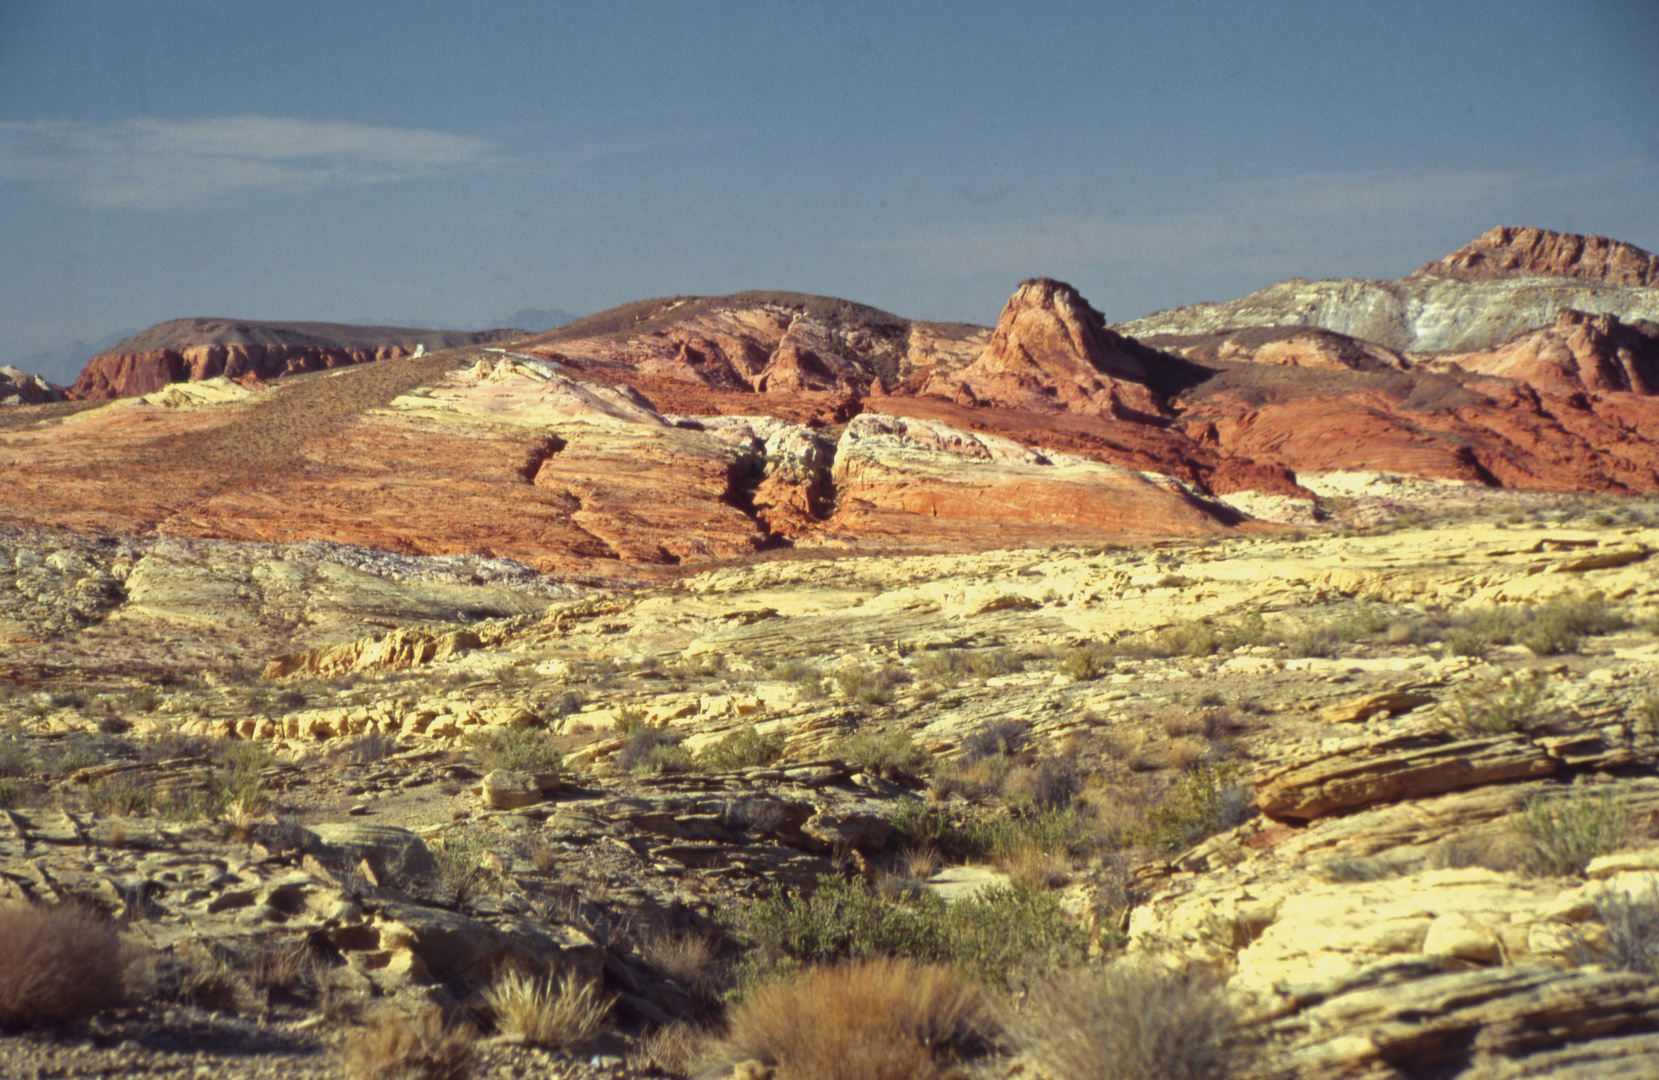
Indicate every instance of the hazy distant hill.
{"type": "Point", "coordinates": [63, 365]}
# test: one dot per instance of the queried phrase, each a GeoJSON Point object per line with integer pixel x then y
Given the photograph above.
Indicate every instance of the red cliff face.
{"type": "Point", "coordinates": [116, 375]}
{"type": "Point", "coordinates": [1510, 251]}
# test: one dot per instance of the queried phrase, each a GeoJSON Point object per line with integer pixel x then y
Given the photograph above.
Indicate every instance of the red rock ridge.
{"type": "Point", "coordinates": [1521, 251]}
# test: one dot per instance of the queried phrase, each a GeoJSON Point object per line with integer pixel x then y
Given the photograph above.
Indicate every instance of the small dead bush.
{"type": "Point", "coordinates": [1133, 1022]}
{"type": "Point", "coordinates": [1631, 921]}
{"type": "Point", "coordinates": [876, 1019]}
{"type": "Point", "coordinates": [364, 749]}
{"type": "Point", "coordinates": [400, 1046]}
{"type": "Point", "coordinates": [561, 1013]}
{"type": "Point", "coordinates": [57, 964]}
{"type": "Point", "coordinates": [689, 959]}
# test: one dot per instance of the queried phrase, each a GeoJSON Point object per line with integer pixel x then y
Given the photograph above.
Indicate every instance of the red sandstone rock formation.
{"type": "Point", "coordinates": [188, 350]}
{"type": "Point", "coordinates": [1051, 351]}
{"type": "Point", "coordinates": [1509, 251]}
{"type": "Point", "coordinates": [726, 417]}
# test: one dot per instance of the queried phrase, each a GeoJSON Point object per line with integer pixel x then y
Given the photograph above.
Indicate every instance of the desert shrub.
{"type": "Point", "coordinates": [399, 1046]}
{"type": "Point", "coordinates": [13, 792]}
{"type": "Point", "coordinates": [566, 1012]}
{"type": "Point", "coordinates": [365, 748]}
{"type": "Point", "coordinates": [57, 964]}
{"type": "Point", "coordinates": [996, 737]}
{"type": "Point", "coordinates": [1631, 921]}
{"type": "Point", "coordinates": [989, 935]}
{"type": "Point", "coordinates": [630, 719]}
{"type": "Point", "coordinates": [526, 748]}
{"type": "Point", "coordinates": [1365, 621]}
{"type": "Point", "coordinates": [1495, 706]}
{"type": "Point", "coordinates": [872, 751]}
{"type": "Point", "coordinates": [1349, 869]}
{"type": "Point", "coordinates": [1313, 641]}
{"type": "Point", "coordinates": [1205, 801]}
{"type": "Point", "coordinates": [1465, 642]}
{"type": "Point", "coordinates": [461, 869]}
{"type": "Point", "coordinates": [870, 685]}
{"type": "Point", "coordinates": [1562, 833]}
{"type": "Point", "coordinates": [1473, 632]}
{"type": "Point", "coordinates": [15, 758]}
{"type": "Point", "coordinates": [119, 796]}
{"type": "Point", "coordinates": [745, 748]}
{"type": "Point", "coordinates": [1087, 662]}
{"type": "Point", "coordinates": [1047, 784]}
{"type": "Point", "coordinates": [1646, 716]}
{"type": "Point", "coordinates": [1133, 1022]}
{"type": "Point", "coordinates": [947, 666]}
{"type": "Point", "coordinates": [1559, 626]}
{"type": "Point", "coordinates": [876, 1019]}
{"type": "Point", "coordinates": [808, 677]}
{"type": "Point", "coordinates": [1504, 853]}
{"type": "Point", "coordinates": [670, 757]}
{"type": "Point", "coordinates": [923, 824]}
{"type": "Point", "coordinates": [1049, 830]}
{"type": "Point", "coordinates": [643, 741]}
{"type": "Point", "coordinates": [990, 663]}
{"type": "Point", "coordinates": [146, 699]}
{"type": "Point", "coordinates": [690, 959]}
{"type": "Point", "coordinates": [172, 745]}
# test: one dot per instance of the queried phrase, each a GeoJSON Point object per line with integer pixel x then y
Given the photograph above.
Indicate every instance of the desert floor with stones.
{"type": "Point", "coordinates": [315, 783]}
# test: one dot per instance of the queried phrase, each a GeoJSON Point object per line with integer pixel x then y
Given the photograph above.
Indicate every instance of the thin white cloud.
{"type": "Point", "coordinates": [152, 164]}
{"type": "Point", "coordinates": [1286, 212]}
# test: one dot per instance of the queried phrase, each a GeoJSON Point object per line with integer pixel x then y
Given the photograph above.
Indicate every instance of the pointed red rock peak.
{"type": "Point", "coordinates": [1051, 350]}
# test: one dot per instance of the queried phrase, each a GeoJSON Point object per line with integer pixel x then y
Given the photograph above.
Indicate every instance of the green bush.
{"type": "Point", "coordinates": [746, 748]}
{"type": "Point", "coordinates": [525, 748]}
{"type": "Point", "coordinates": [644, 741]}
{"type": "Point", "coordinates": [118, 796]}
{"type": "Point", "coordinates": [990, 935]}
{"type": "Point", "coordinates": [1087, 662]}
{"type": "Point", "coordinates": [666, 758]}
{"type": "Point", "coordinates": [870, 685]}
{"type": "Point", "coordinates": [1495, 706]}
{"type": "Point", "coordinates": [1562, 833]}
{"type": "Point", "coordinates": [1207, 800]}
{"type": "Point", "coordinates": [872, 751]}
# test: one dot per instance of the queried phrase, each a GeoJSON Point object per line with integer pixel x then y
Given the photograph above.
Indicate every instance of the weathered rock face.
{"type": "Point", "coordinates": [1508, 251]}
{"type": "Point", "coordinates": [951, 479]}
{"type": "Point", "coordinates": [19, 388]}
{"type": "Point", "coordinates": [188, 350]}
{"type": "Point", "coordinates": [1051, 351]}
{"type": "Point", "coordinates": [1578, 353]}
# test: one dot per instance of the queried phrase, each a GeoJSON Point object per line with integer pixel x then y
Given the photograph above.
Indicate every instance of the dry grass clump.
{"type": "Point", "coordinates": [690, 959]}
{"type": "Point", "coordinates": [876, 1019]}
{"type": "Point", "coordinates": [1132, 1022]}
{"type": "Point", "coordinates": [563, 1013]}
{"type": "Point", "coordinates": [401, 1046]}
{"type": "Point", "coordinates": [57, 964]}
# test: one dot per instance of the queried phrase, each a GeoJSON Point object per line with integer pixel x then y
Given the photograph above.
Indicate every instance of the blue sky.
{"type": "Point", "coordinates": [449, 164]}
